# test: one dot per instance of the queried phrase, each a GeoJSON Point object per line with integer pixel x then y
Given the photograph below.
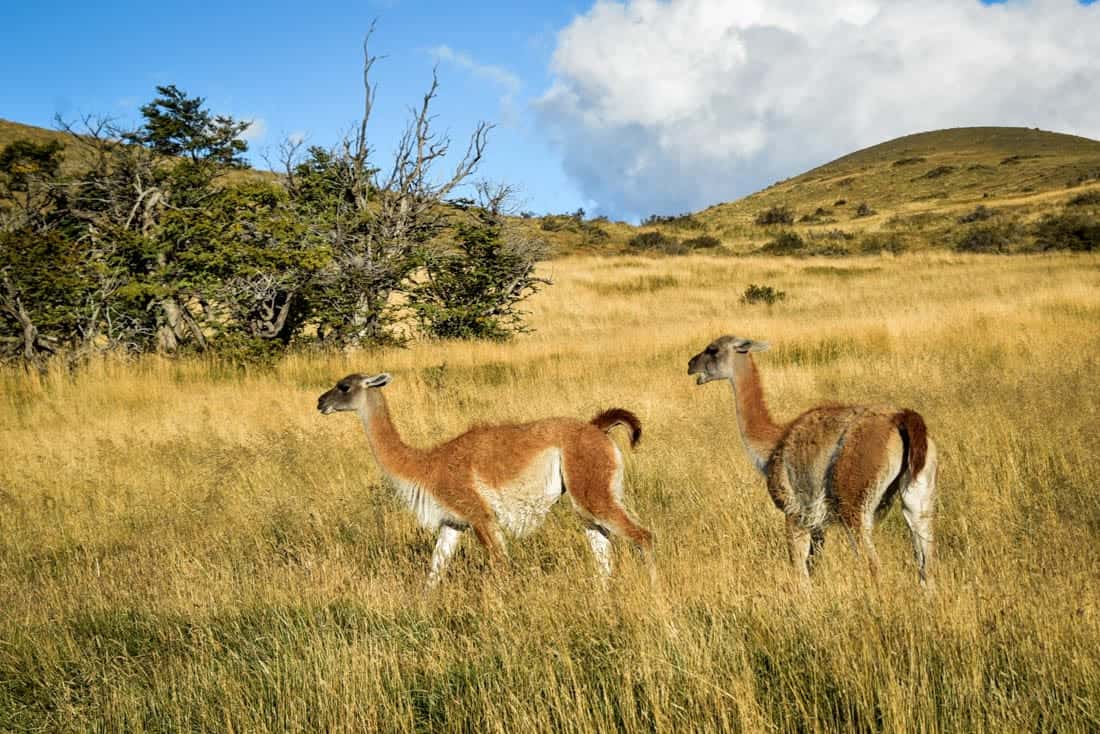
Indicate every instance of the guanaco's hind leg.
{"type": "Point", "coordinates": [593, 477]}
{"type": "Point", "coordinates": [799, 544]}
{"type": "Point", "coordinates": [488, 532]}
{"type": "Point", "coordinates": [918, 498]}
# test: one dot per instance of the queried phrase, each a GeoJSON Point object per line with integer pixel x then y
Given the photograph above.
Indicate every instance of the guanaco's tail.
{"type": "Point", "coordinates": [608, 419]}
{"type": "Point", "coordinates": [914, 434]}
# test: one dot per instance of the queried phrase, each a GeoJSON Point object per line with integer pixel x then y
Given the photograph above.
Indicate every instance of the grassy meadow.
{"type": "Point", "coordinates": [189, 547]}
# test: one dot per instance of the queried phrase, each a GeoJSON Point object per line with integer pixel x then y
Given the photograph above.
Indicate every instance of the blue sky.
{"type": "Point", "coordinates": [297, 68]}
{"type": "Point", "coordinates": [624, 108]}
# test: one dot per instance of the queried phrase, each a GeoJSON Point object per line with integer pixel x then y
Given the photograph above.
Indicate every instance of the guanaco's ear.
{"type": "Point", "coordinates": [749, 345]}
{"type": "Point", "coordinates": [380, 380]}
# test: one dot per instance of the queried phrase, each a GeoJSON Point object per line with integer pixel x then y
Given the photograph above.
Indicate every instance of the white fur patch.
{"type": "Point", "coordinates": [419, 500]}
{"type": "Point", "coordinates": [522, 502]}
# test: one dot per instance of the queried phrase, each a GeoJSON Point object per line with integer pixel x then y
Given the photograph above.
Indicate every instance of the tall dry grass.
{"type": "Point", "coordinates": [184, 546]}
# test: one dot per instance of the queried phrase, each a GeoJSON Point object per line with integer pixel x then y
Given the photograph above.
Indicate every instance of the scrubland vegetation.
{"type": "Point", "coordinates": [188, 545]}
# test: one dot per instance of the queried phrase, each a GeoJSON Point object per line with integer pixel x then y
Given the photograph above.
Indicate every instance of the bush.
{"type": "Point", "coordinates": [940, 171]}
{"type": "Point", "coordinates": [909, 161]}
{"type": "Point", "coordinates": [775, 215]}
{"type": "Point", "coordinates": [984, 238]}
{"type": "Point", "coordinates": [1068, 231]}
{"type": "Point", "coordinates": [980, 214]}
{"type": "Point", "coordinates": [815, 216]}
{"type": "Point", "coordinates": [762, 294]}
{"type": "Point", "coordinates": [840, 202]}
{"type": "Point", "coordinates": [787, 243]}
{"type": "Point", "coordinates": [874, 244]}
{"type": "Point", "coordinates": [1089, 198]}
{"type": "Point", "coordinates": [703, 242]}
{"type": "Point", "coordinates": [681, 221]}
{"type": "Point", "coordinates": [558, 223]}
{"type": "Point", "coordinates": [864, 210]}
{"type": "Point", "coordinates": [655, 241]}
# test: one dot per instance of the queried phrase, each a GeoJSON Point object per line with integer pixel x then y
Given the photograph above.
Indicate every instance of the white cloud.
{"type": "Point", "coordinates": [668, 106]}
{"type": "Point", "coordinates": [256, 130]}
{"type": "Point", "coordinates": [508, 82]}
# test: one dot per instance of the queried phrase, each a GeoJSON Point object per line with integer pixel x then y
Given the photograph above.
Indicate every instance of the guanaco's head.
{"type": "Point", "coordinates": [716, 361]}
{"type": "Point", "coordinates": [350, 393]}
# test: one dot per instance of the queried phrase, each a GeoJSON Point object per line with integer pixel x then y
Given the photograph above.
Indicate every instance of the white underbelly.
{"type": "Point", "coordinates": [521, 504]}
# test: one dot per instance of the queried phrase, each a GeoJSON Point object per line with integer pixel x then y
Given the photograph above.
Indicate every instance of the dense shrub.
{"type": "Point", "coordinates": [909, 161]}
{"type": "Point", "coordinates": [787, 243]}
{"type": "Point", "coordinates": [840, 202]}
{"type": "Point", "coordinates": [878, 242]}
{"type": "Point", "coordinates": [940, 171]}
{"type": "Point", "coordinates": [762, 294]}
{"type": "Point", "coordinates": [1088, 198]}
{"type": "Point", "coordinates": [779, 214]}
{"type": "Point", "coordinates": [1068, 231]}
{"type": "Point", "coordinates": [984, 238]}
{"type": "Point", "coordinates": [815, 216]}
{"type": "Point", "coordinates": [864, 210]}
{"type": "Point", "coordinates": [980, 214]}
{"type": "Point", "coordinates": [656, 241]}
{"type": "Point", "coordinates": [702, 242]}
{"type": "Point", "coordinates": [681, 221]}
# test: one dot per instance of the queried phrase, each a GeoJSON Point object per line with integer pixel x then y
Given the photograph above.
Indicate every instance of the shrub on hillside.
{"type": "Point", "coordinates": [815, 216]}
{"type": "Point", "coordinates": [986, 238]}
{"type": "Point", "coordinates": [980, 214]}
{"type": "Point", "coordinates": [655, 241]}
{"type": "Point", "coordinates": [702, 242]}
{"type": "Point", "coordinates": [1068, 231]}
{"type": "Point", "coordinates": [940, 171]}
{"type": "Point", "coordinates": [879, 242]}
{"type": "Point", "coordinates": [681, 221]}
{"type": "Point", "coordinates": [1088, 198]}
{"type": "Point", "coordinates": [864, 210]}
{"type": "Point", "coordinates": [908, 161]}
{"type": "Point", "coordinates": [787, 243]}
{"type": "Point", "coordinates": [762, 294]}
{"type": "Point", "coordinates": [840, 202]}
{"type": "Point", "coordinates": [779, 214]}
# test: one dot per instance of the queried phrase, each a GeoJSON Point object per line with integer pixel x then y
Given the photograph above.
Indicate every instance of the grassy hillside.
{"type": "Point", "coordinates": [918, 187]}
{"type": "Point", "coordinates": [185, 547]}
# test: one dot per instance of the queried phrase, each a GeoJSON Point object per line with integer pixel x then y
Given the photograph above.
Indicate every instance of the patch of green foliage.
{"type": "Point", "coordinates": [762, 294]}
{"type": "Point", "coordinates": [864, 210]}
{"type": "Point", "coordinates": [779, 214]}
{"type": "Point", "coordinates": [1068, 231]}
{"type": "Point", "coordinates": [656, 241]}
{"type": "Point", "coordinates": [985, 238]}
{"type": "Point", "coordinates": [1088, 198]}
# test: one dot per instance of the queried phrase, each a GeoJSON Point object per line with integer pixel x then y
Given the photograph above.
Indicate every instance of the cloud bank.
{"type": "Point", "coordinates": [667, 106]}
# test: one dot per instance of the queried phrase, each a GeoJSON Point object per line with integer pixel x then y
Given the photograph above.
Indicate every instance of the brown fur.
{"type": "Point", "coordinates": [608, 419]}
{"type": "Point", "coordinates": [832, 463]}
{"type": "Point", "coordinates": [456, 472]}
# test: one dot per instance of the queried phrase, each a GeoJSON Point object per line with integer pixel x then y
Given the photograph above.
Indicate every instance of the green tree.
{"type": "Point", "coordinates": [472, 290]}
{"type": "Point", "coordinates": [180, 126]}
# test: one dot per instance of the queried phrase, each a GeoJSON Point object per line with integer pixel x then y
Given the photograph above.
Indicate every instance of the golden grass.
{"type": "Point", "coordinates": [188, 547]}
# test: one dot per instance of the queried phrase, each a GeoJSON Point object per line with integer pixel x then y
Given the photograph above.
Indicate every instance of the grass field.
{"type": "Point", "coordinates": [187, 547]}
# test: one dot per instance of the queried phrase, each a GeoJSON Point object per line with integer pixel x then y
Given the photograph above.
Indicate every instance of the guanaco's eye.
{"type": "Point", "coordinates": [342, 388]}
{"type": "Point", "coordinates": [712, 350]}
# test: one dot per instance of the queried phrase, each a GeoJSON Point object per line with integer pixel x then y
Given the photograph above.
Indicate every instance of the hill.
{"type": "Point", "coordinates": [908, 193]}
{"type": "Point", "coordinates": [918, 187]}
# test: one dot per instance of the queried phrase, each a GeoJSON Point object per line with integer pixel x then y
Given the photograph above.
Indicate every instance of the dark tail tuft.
{"type": "Point", "coordinates": [915, 436]}
{"type": "Point", "coordinates": [608, 419]}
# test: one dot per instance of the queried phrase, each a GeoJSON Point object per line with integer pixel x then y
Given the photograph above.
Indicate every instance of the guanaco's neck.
{"type": "Point", "coordinates": [759, 432]}
{"type": "Point", "coordinates": [396, 458]}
